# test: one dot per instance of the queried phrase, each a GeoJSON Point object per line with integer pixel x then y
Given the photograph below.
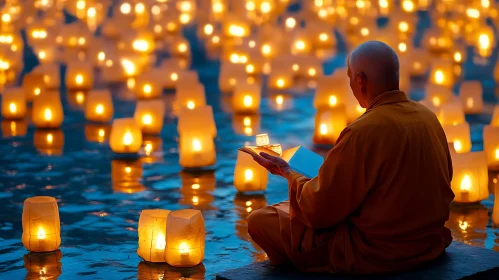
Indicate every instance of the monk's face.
{"type": "Point", "coordinates": [358, 85]}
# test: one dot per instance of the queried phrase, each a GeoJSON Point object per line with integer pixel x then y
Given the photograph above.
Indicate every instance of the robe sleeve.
{"type": "Point", "coordinates": [342, 184]}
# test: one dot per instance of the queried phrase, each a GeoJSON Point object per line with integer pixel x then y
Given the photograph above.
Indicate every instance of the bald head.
{"type": "Point", "coordinates": [373, 69]}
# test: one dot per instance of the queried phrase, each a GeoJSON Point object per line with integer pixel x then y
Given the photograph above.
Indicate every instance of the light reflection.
{"type": "Point", "coordinates": [164, 271]}
{"type": "Point", "coordinates": [49, 141]}
{"type": "Point", "coordinates": [98, 133]}
{"type": "Point", "coordinates": [126, 176]}
{"type": "Point", "coordinates": [197, 188]}
{"type": "Point", "coordinates": [244, 205]}
{"type": "Point", "coordinates": [14, 128]}
{"type": "Point", "coordinates": [468, 223]}
{"type": "Point", "coordinates": [152, 149]}
{"type": "Point", "coordinates": [43, 265]}
{"type": "Point", "coordinates": [246, 124]}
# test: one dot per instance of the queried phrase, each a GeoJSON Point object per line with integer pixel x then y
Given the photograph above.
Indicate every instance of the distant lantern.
{"type": "Point", "coordinates": [79, 75]}
{"type": "Point", "coordinates": [470, 94]}
{"type": "Point", "coordinates": [419, 62]}
{"type": "Point", "coordinates": [33, 85]}
{"type": "Point", "coordinates": [196, 149]}
{"type": "Point", "coordinates": [249, 175]}
{"type": "Point", "coordinates": [459, 136]}
{"type": "Point", "coordinates": [149, 115]}
{"type": "Point", "coordinates": [152, 235]}
{"type": "Point", "coordinates": [199, 120]}
{"type": "Point", "coordinates": [49, 141]}
{"type": "Point", "coordinates": [451, 113]}
{"type": "Point", "coordinates": [301, 45]}
{"type": "Point", "coordinates": [329, 122]}
{"type": "Point", "coordinates": [185, 238]}
{"type": "Point", "coordinates": [51, 75]}
{"type": "Point", "coordinates": [438, 95]}
{"type": "Point", "coordinates": [99, 106]}
{"type": "Point", "coordinates": [331, 92]}
{"type": "Point", "coordinates": [47, 110]}
{"type": "Point", "coordinates": [246, 98]}
{"type": "Point", "coordinates": [126, 176]}
{"type": "Point", "coordinates": [230, 74]}
{"type": "Point", "coordinates": [280, 80]}
{"type": "Point", "coordinates": [148, 86]}
{"type": "Point", "coordinates": [190, 95]}
{"type": "Point", "coordinates": [126, 136]}
{"type": "Point", "coordinates": [442, 73]}
{"type": "Point", "coordinates": [13, 103]}
{"type": "Point", "coordinates": [41, 225]}
{"type": "Point", "coordinates": [470, 179]}
{"type": "Point", "coordinates": [491, 146]}
{"type": "Point", "coordinates": [98, 133]}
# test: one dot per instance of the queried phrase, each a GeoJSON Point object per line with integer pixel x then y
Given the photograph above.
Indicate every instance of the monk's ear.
{"type": "Point", "coordinates": [362, 81]}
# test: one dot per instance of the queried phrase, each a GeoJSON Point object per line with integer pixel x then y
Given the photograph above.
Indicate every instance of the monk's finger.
{"type": "Point", "coordinates": [267, 156]}
{"type": "Point", "coordinates": [263, 162]}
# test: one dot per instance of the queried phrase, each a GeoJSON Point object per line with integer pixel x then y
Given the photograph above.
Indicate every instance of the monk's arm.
{"type": "Point", "coordinates": [339, 189]}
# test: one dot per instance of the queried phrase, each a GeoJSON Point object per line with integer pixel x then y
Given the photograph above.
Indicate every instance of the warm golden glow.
{"type": "Point", "coordinates": [458, 146]}
{"type": "Point", "coordinates": [436, 101]}
{"type": "Point", "coordinates": [250, 6]}
{"type": "Point", "coordinates": [215, 39]}
{"type": "Point", "coordinates": [148, 148]}
{"type": "Point", "coordinates": [247, 121]}
{"type": "Point", "coordinates": [265, 7]}
{"type": "Point", "coordinates": [101, 132]}
{"type": "Point", "coordinates": [469, 102]}
{"type": "Point", "coordinates": [160, 241]}
{"type": "Point", "coordinates": [408, 5]}
{"type": "Point", "coordinates": [484, 41]}
{"type": "Point", "coordinates": [140, 8]}
{"type": "Point", "coordinates": [185, 18]}
{"type": "Point", "coordinates": [280, 83]}
{"type": "Point", "coordinates": [6, 18]}
{"type": "Point", "coordinates": [174, 76]}
{"type": "Point", "coordinates": [360, 109]}
{"type": "Point", "coordinates": [439, 77]}
{"type": "Point", "coordinates": [403, 26]}
{"type": "Point", "coordinates": [290, 22]}
{"type": "Point", "coordinates": [128, 66]}
{"type": "Point", "coordinates": [147, 88]}
{"type": "Point", "coordinates": [266, 49]}
{"type": "Point", "coordinates": [248, 175]}
{"type": "Point", "coordinates": [42, 55]}
{"type": "Point", "coordinates": [323, 129]}
{"type": "Point", "coordinates": [248, 100]}
{"type": "Point", "coordinates": [140, 45]}
{"type": "Point", "coordinates": [402, 47]}
{"type": "Point", "coordinates": [333, 100]}
{"type": "Point", "coordinates": [466, 183]}
{"type": "Point", "coordinates": [262, 139]}
{"type": "Point", "coordinates": [248, 131]}
{"type": "Point", "coordinates": [463, 225]}
{"type": "Point", "coordinates": [182, 47]}
{"type": "Point", "coordinates": [312, 72]}
{"type": "Point", "coordinates": [473, 13]}
{"type": "Point", "coordinates": [47, 114]}
{"type": "Point", "coordinates": [184, 247]}
{"type": "Point", "coordinates": [101, 56]}
{"type": "Point", "coordinates": [195, 186]}
{"type": "Point", "coordinates": [250, 69]}
{"type": "Point", "coordinates": [497, 154]}
{"type": "Point", "coordinates": [127, 138]}
{"type": "Point", "coordinates": [128, 170]}
{"type": "Point", "coordinates": [208, 29]}
{"type": "Point", "coordinates": [80, 97]}
{"type": "Point", "coordinates": [99, 109]}
{"type": "Point", "coordinates": [300, 45]}
{"type": "Point", "coordinates": [41, 233]}
{"type": "Point", "coordinates": [236, 30]}
{"type": "Point", "coordinates": [364, 31]}
{"type": "Point", "coordinates": [12, 107]}
{"type": "Point", "coordinates": [279, 100]}
{"type": "Point", "coordinates": [196, 145]}
{"type": "Point", "coordinates": [147, 119]}
{"type": "Point", "coordinates": [323, 37]}
{"type": "Point", "coordinates": [79, 79]}
{"type": "Point", "coordinates": [458, 57]}
{"type": "Point", "coordinates": [191, 105]}
{"type": "Point", "coordinates": [295, 67]}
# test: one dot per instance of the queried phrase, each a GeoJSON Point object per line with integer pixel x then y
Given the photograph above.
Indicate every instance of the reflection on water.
{"type": "Point", "coordinates": [246, 124]}
{"type": "Point", "coordinates": [43, 266]}
{"type": "Point", "coordinates": [152, 149]}
{"type": "Point", "coordinates": [468, 223]}
{"type": "Point", "coordinates": [98, 133]}
{"type": "Point", "coordinates": [49, 141]}
{"type": "Point", "coordinates": [197, 188]}
{"type": "Point", "coordinates": [163, 271]}
{"type": "Point", "coordinates": [14, 128]}
{"type": "Point", "coordinates": [126, 175]}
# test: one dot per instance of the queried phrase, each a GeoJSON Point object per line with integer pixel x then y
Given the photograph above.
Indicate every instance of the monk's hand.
{"type": "Point", "coordinates": [274, 165]}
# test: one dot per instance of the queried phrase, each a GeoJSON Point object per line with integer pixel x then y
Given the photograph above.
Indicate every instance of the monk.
{"type": "Point", "coordinates": [383, 193]}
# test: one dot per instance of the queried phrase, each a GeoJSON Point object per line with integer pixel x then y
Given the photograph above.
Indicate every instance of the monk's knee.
{"type": "Point", "coordinates": [258, 221]}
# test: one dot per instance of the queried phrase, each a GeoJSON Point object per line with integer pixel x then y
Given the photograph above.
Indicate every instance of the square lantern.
{"type": "Point", "coordinates": [246, 98]}
{"type": "Point", "coordinates": [442, 73]}
{"type": "Point", "coordinates": [331, 91]}
{"type": "Point", "coordinates": [46, 53]}
{"type": "Point", "coordinates": [126, 176]}
{"type": "Point", "coordinates": [306, 66]}
{"type": "Point", "coordinates": [329, 122]}
{"type": "Point", "coordinates": [229, 76]}
{"type": "Point", "coordinates": [470, 179]}
{"type": "Point", "coordinates": [98, 133]}
{"type": "Point", "coordinates": [147, 86]}
{"type": "Point", "coordinates": [41, 225]}
{"type": "Point", "coordinates": [185, 238]}
{"type": "Point", "coordinates": [13, 103]}
{"type": "Point", "coordinates": [79, 75]}
{"type": "Point", "coordinates": [47, 110]}
{"type": "Point", "coordinates": [51, 75]}
{"type": "Point", "coordinates": [14, 128]}
{"type": "Point", "coordinates": [199, 120]}
{"type": "Point", "coordinates": [125, 137]}
{"type": "Point", "coordinates": [451, 113]}
{"type": "Point", "coordinates": [470, 94]}
{"type": "Point", "coordinates": [43, 265]}
{"type": "Point", "coordinates": [33, 85]}
{"type": "Point", "coordinates": [152, 235]}
{"type": "Point", "coordinates": [248, 175]}
{"type": "Point", "coordinates": [99, 106]}
{"type": "Point", "coordinates": [49, 141]}
{"type": "Point", "coordinates": [301, 43]}
{"type": "Point", "coordinates": [280, 79]}
{"type": "Point", "coordinates": [459, 135]}
{"type": "Point", "coordinates": [495, 116]}
{"type": "Point", "coordinates": [491, 146]}
{"type": "Point", "coordinates": [190, 95]}
{"type": "Point", "coordinates": [438, 95]}
{"type": "Point", "coordinates": [149, 115]}
{"type": "Point", "coordinates": [196, 149]}
{"type": "Point", "coordinates": [418, 62]}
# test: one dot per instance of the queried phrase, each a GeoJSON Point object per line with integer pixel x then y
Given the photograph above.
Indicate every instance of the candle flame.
{"type": "Point", "coordinates": [195, 186]}
{"type": "Point", "coordinates": [160, 241]}
{"type": "Point", "coordinates": [196, 145]}
{"type": "Point", "coordinates": [208, 29]}
{"type": "Point", "coordinates": [247, 121]}
{"type": "Point", "coordinates": [469, 102]}
{"type": "Point", "coordinates": [248, 131]}
{"type": "Point", "coordinates": [248, 175]}
{"type": "Point", "coordinates": [99, 109]}
{"type": "Point", "coordinates": [195, 200]}
{"type": "Point", "coordinates": [248, 100]}
{"type": "Point", "coordinates": [280, 83]}
{"type": "Point", "coordinates": [36, 91]}
{"type": "Point", "coordinates": [279, 100]}
{"type": "Point", "coordinates": [497, 154]}
{"type": "Point", "coordinates": [79, 79]}
{"type": "Point", "coordinates": [174, 76]}
{"type": "Point", "coordinates": [403, 26]}
{"type": "Point", "coordinates": [463, 225]}
{"type": "Point", "coordinates": [250, 68]}
{"type": "Point", "coordinates": [182, 47]}
{"type": "Point", "coordinates": [147, 88]}
{"type": "Point", "coordinates": [439, 76]}
{"type": "Point", "coordinates": [147, 119]}
{"type": "Point", "coordinates": [183, 248]}
{"type": "Point", "coordinates": [436, 101]}
{"type": "Point", "coordinates": [127, 138]}
{"type": "Point", "coordinates": [249, 203]}
{"type": "Point", "coordinates": [101, 56]}
{"type": "Point", "coordinates": [128, 169]}
{"type": "Point", "coordinates": [47, 114]}
{"type": "Point", "coordinates": [312, 72]}
{"type": "Point", "coordinates": [458, 57]}
{"type": "Point", "coordinates": [50, 138]}
{"type": "Point", "coordinates": [323, 37]}
{"type": "Point", "coordinates": [333, 100]}
{"type": "Point", "coordinates": [148, 148]}
{"type": "Point", "coordinates": [190, 104]}
{"type": "Point", "coordinates": [300, 45]}
{"type": "Point", "coordinates": [323, 129]}
{"type": "Point", "coordinates": [290, 22]}
{"type": "Point", "coordinates": [458, 146]}
{"type": "Point", "coordinates": [466, 183]}
{"type": "Point", "coordinates": [13, 107]}
{"type": "Point", "coordinates": [41, 233]}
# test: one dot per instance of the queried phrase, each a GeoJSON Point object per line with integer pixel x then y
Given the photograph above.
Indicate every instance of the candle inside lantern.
{"type": "Point", "coordinates": [470, 94]}
{"type": "Point", "coordinates": [459, 135]}
{"type": "Point", "coordinates": [196, 150]}
{"type": "Point", "coordinates": [197, 120]}
{"type": "Point", "coordinates": [451, 113]}
{"type": "Point", "coordinates": [329, 122]}
{"type": "Point", "coordinates": [190, 95]}
{"type": "Point", "coordinates": [442, 73]}
{"type": "Point", "coordinates": [13, 103]}
{"type": "Point", "coordinates": [99, 106]}
{"type": "Point", "coordinates": [249, 176]}
{"type": "Point", "coordinates": [246, 98]}
{"type": "Point", "coordinates": [47, 110]}
{"type": "Point", "coordinates": [327, 95]}
{"type": "Point", "coordinates": [41, 225]}
{"type": "Point", "coordinates": [152, 234]}
{"type": "Point", "coordinates": [470, 180]}
{"type": "Point", "coordinates": [147, 86]}
{"type": "Point", "coordinates": [126, 136]}
{"type": "Point", "coordinates": [32, 85]}
{"type": "Point", "coordinates": [149, 114]}
{"type": "Point", "coordinates": [79, 75]}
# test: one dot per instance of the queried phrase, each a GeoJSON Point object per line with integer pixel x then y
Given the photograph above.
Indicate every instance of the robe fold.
{"type": "Point", "coordinates": [381, 198]}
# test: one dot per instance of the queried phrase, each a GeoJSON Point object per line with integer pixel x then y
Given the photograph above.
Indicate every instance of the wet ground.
{"type": "Point", "coordinates": [100, 202]}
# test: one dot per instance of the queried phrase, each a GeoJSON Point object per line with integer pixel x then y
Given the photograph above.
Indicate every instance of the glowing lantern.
{"type": "Point", "coordinates": [190, 95]}
{"type": "Point", "coordinates": [459, 135]}
{"type": "Point", "coordinates": [14, 128]}
{"type": "Point", "coordinates": [196, 149]}
{"type": "Point", "coordinates": [329, 122]}
{"type": "Point", "coordinates": [46, 54]}
{"type": "Point", "coordinates": [470, 94]}
{"type": "Point", "coordinates": [230, 73]}
{"type": "Point", "coordinates": [236, 28]}
{"type": "Point", "coordinates": [300, 45]}
{"type": "Point", "coordinates": [451, 113]}
{"type": "Point", "coordinates": [49, 141]}
{"type": "Point", "coordinates": [280, 80]}
{"type": "Point", "coordinates": [149, 114]}
{"type": "Point", "coordinates": [147, 86]}
{"type": "Point", "coordinates": [331, 92]}
{"type": "Point", "coordinates": [470, 179]}
{"type": "Point", "coordinates": [126, 176]}
{"type": "Point", "coordinates": [495, 116]}
{"type": "Point", "coordinates": [246, 124]}
{"type": "Point", "coordinates": [441, 73]}
{"type": "Point", "coordinates": [51, 75]}
{"type": "Point", "coordinates": [33, 85]}
{"type": "Point", "coordinates": [41, 225]}
{"type": "Point", "coordinates": [180, 48]}
{"type": "Point", "coordinates": [97, 132]}
{"type": "Point", "coordinates": [197, 120]}
{"type": "Point", "coordinates": [143, 43]}
{"type": "Point", "coordinates": [47, 110]}
{"type": "Point", "coordinates": [248, 175]}
{"type": "Point", "coordinates": [438, 95]}
{"type": "Point", "coordinates": [491, 146]}
{"type": "Point", "coordinates": [79, 76]}
{"type": "Point", "coordinates": [43, 265]}
{"type": "Point", "coordinates": [436, 41]}
{"type": "Point", "coordinates": [13, 103]}
{"type": "Point", "coordinates": [126, 136]}
{"type": "Point", "coordinates": [485, 41]}
{"type": "Point", "coordinates": [152, 235]}
{"type": "Point", "coordinates": [99, 106]}
{"type": "Point", "coordinates": [246, 98]}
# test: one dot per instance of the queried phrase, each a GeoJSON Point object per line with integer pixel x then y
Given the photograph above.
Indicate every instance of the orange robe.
{"type": "Point", "coordinates": [381, 198]}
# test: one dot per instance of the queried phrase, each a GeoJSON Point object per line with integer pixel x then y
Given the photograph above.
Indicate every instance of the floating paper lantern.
{"type": "Point", "coordinates": [301, 45]}
{"type": "Point", "coordinates": [491, 146]}
{"type": "Point", "coordinates": [442, 73]}
{"type": "Point", "coordinates": [198, 120]}
{"type": "Point", "coordinates": [329, 122]}
{"type": "Point", "coordinates": [180, 48]}
{"type": "Point", "coordinates": [14, 128]}
{"type": "Point", "coordinates": [331, 92]}
{"type": "Point", "coordinates": [47, 110]}
{"type": "Point", "coordinates": [438, 95]}
{"type": "Point", "coordinates": [246, 98]}
{"type": "Point", "coordinates": [99, 106]}
{"type": "Point", "coordinates": [148, 86]}
{"type": "Point", "coordinates": [126, 136]}
{"type": "Point", "coordinates": [190, 95]}
{"type": "Point", "coordinates": [126, 176]}
{"type": "Point", "coordinates": [13, 103]}
{"type": "Point", "coordinates": [185, 238]}
{"type": "Point", "coordinates": [470, 94]}
{"type": "Point", "coordinates": [196, 149]}
{"type": "Point", "coordinates": [459, 135]}
{"type": "Point", "coordinates": [470, 179]}
{"type": "Point", "coordinates": [41, 225]}
{"type": "Point", "coordinates": [43, 265]}
{"type": "Point", "coordinates": [51, 75]}
{"type": "Point", "coordinates": [49, 141]}
{"type": "Point", "coordinates": [451, 113]}
{"type": "Point", "coordinates": [98, 133]}
{"type": "Point", "coordinates": [152, 235]}
{"type": "Point", "coordinates": [229, 75]}
{"type": "Point", "coordinates": [79, 76]}
{"type": "Point", "coordinates": [46, 54]}
{"type": "Point", "coordinates": [249, 175]}
{"type": "Point", "coordinates": [280, 79]}
{"type": "Point", "coordinates": [33, 85]}
{"type": "Point", "coordinates": [149, 114]}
